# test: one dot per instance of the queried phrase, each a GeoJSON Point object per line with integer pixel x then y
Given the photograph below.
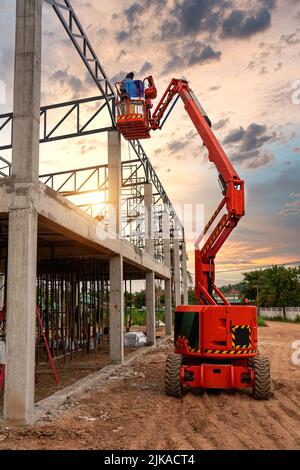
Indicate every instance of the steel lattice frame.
{"type": "Point", "coordinates": [82, 126]}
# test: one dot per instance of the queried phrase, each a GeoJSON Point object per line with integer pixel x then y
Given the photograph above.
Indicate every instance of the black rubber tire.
{"type": "Point", "coordinates": [262, 377]}
{"type": "Point", "coordinates": [172, 375]}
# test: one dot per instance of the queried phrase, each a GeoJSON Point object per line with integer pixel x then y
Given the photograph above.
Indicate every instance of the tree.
{"type": "Point", "coordinates": [273, 287]}
{"type": "Point", "coordinates": [140, 299]}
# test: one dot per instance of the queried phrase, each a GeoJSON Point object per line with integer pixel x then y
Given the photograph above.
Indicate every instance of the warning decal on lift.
{"type": "Point", "coordinates": [231, 351]}
{"type": "Point", "coordinates": [129, 116]}
{"type": "Point", "coordinates": [241, 336]}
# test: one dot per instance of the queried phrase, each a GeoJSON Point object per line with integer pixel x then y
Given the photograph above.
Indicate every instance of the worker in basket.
{"type": "Point", "coordinates": [133, 106]}
{"type": "Point", "coordinates": [131, 89]}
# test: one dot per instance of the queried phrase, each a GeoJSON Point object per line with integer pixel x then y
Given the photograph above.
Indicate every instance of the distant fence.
{"type": "Point", "coordinates": [291, 313]}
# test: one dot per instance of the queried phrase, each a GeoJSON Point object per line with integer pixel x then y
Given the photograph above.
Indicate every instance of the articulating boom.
{"type": "Point", "coordinates": [215, 345]}
{"type": "Point", "coordinates": [232, 186]}
{"type": "Point", "coordinates": [138, 123]}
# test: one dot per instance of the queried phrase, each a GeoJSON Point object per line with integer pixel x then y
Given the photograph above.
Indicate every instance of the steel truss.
{"type": "Point", "coordinates": [73, 112]}
{"type": "Point", "coordinates": [76, 33]}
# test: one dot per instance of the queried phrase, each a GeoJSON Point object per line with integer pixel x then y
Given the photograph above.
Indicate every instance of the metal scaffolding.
{"type": "Point", "coordinates": [73, 289]}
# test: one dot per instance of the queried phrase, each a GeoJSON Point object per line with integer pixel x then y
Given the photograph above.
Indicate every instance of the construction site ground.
{"type": "Point", "coordinates": [130, 410]}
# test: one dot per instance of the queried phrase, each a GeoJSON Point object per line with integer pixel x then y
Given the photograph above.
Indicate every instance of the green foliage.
{"type": "Point", "coordinates": [135, 307]}
{"type": "Point", "coordinates": [191, 297]}
{"type": "Point", "coordinates": [140, 299]}
{"type": "Point", "coordinates": [261, 322]}
{"type": "Point", "coordinates": [273, 287]}
{"type": "Point", "coordinates": [138, 316]}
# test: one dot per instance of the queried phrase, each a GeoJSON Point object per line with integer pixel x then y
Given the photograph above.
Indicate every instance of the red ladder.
{"type": "Point", "coordinates": [2, 366]}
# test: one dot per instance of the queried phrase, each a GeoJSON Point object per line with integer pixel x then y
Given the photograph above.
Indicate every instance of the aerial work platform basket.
{"type": "Point", "coordinates": [132, 119]}
{"type": "Point", "coordinates": [133, 107]}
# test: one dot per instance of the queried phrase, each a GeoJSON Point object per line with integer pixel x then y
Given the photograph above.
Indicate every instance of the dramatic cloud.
{"type": "Point", "coordinates": [194, 16]}
{"type": "Point", "coordinates": [292, 208]}
{"type": "Point", "coordinates": [242, 24]}
{"type": "Point", "coordinates": [177, 147]}
{"type": "Point", "coordinates": [68, 80]}
{"type": "Point", "coordinates": [122, 35]}
{"type": "Point", "coordinates": [247, 145]}
{"type": "Point", "coordinates": [220, 124]}
{"type": "Point", "coordinates": [191, 18]}
{"type": "Point", "coordinates": [146, 67]}
{"type": "Point", "coordinates": [191, 53]}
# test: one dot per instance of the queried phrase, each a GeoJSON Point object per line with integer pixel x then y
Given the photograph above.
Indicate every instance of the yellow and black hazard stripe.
{"type": "Point", "coordinates": [129, 116]}
{"type": "Point", "coordinates": [229, 352]}
{"type": "Point", "coordinates": [237, 334]}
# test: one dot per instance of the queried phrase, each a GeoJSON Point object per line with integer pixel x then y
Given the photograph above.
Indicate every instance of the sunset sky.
{"type": "Point", "coordinates": [242, 61]}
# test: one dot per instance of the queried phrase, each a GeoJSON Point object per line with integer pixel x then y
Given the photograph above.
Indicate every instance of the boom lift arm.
{"type": "Point", "coordinates": [232, 188]}
{"type": "Point", "coordinates": [215, 345]}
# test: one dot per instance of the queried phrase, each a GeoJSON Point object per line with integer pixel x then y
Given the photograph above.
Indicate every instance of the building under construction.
{"type": "Point", "coordinates": [65, 264]}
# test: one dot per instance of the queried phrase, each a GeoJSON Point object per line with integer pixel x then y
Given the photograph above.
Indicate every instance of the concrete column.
{"type": "Point", "coordinates": [116, 310]}
{"type": "Point", "coordinates": [184, 273]}
{"type": "Point", "coordinates": [148, 201]}
{"type": "Point", "coordinates": [150, 308]}
{"type": "Point", "coordinates": [168, 307]}
{"type": "Point", "coordinates": [168, 283]}
{"type": "Point", "coordinates": [27, 91]}
{"type": "Point", "coordinates": [22, 233]}
{"type": "Point", "coordinates": [114, 182]}
{"type": "Point", "coordinates": [21, 315]}
{"type": "Point", "coordinates": [150, 278]}
{"type": "Point", "coordinates": [176, 261]}
{"type": "Point", "coordinates": [2, 290]}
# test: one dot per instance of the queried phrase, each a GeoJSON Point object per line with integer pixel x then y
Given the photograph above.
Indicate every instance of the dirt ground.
{"type": "Point", "coordinates": [73, 368]}
{"type": "Point", "coordinates": [131, 411]}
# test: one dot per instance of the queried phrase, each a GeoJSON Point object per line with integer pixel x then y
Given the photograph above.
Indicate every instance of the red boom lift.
{"type": "Point", "coordinates": [215, 342]}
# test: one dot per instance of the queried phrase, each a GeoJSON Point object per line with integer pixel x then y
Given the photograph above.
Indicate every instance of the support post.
{"type": "Point", "coordinates": [2, 290]}
{"type": "Point", "coordinates": [27, 91]}
{"type": "Point", "coordinates": [116, 310]}
{"type": "Point", "coordinates": [176, 260]}
{"type": "Point", "coordinates": [184, 273]}
{"type": "Point", "coordinates": [114, 182]}
{"type": "Point", "coordinates": [148, 201]}
{"type": "Point", "coordinates": [167, 262]}
{"type": "Point", "coordinates": [150, 278]}
{"type": "Point", "coordinates": [22, 234]}
{"type": "Point", "coordinates": [150, 308]}
{"type": "Point", "coordinates": [21, 320]}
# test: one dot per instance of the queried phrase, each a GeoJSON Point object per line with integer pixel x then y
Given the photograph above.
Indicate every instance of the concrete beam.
{"type": "Point", "coordinates": [116, 310]}
{"type": "Point", "coordinates": [61, 216]}
{"type": "Point", "coordinates": [114, 182]}
{"type": "Point", "coordinates": [58, 214]}
{"type": "Point", "coordinates": [27, 91]}
{"type": "Point", "coordinates": [21, 315]}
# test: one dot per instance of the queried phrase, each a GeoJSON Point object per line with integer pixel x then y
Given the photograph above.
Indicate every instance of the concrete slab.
{"type": "Point", "coordinates": [63, 217]}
